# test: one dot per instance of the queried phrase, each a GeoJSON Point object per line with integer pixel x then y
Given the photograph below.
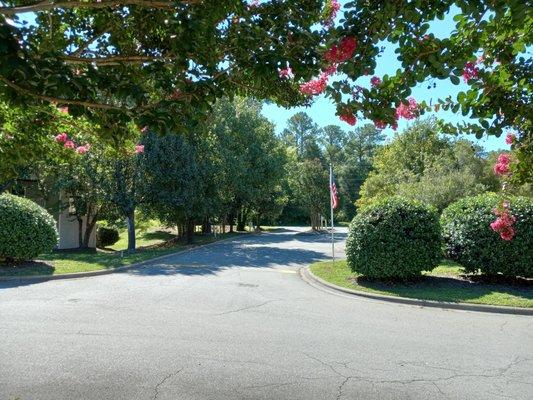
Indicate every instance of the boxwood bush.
{"type": "Point", "coordinates": [106, 236]}
{"type": "Point", "coordinates": [26, 229]}
{"type": "Point", "coordinates": [394, 238]}
{"type": "Point", "coordinates": [469, 240]}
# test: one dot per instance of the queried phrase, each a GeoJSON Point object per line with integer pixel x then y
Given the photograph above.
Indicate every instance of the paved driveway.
{"type": "Point", "coordinates": [235, 321]}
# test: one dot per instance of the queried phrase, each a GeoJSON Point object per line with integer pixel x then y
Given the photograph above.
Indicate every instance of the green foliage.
{"type": "Point", "coordinates": [169, 178]}
{"type": "Point", "coordinates": [420, 164]}
{"type": "Point", "coordinates": [394, 238]}
{"type": "Point", "coordinates": [309, 181]}
{"type": "Point", "coordinates": [169, 60]}
{"type": "Point", "coordinates": [469, 240]}
{"type": "Point", "coordinates": [496, 101]}
{"type": "Point", "coordinates": [106, 236]}
{"type": "Point", "coordinates": [26, 229]}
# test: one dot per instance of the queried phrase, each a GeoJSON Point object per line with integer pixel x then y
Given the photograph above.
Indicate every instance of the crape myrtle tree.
{"type": "Point", "coordinates": [26, 138]}
{"type": "Point", "coordinates": [487, 49]}
{"type": "Point", "coordinates": [158, 63]}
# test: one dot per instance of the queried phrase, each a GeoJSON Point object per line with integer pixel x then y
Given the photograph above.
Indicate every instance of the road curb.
{"type": "Point", "coordinates": [75, 275]}
{"type": "Point", "coordinates": [314, 280]}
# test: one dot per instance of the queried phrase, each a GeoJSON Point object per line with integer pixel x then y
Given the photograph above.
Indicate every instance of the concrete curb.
{"type": "Point", "coordinates": [74, 275]}
{"type": "Point", "coordinates": [320, 283]}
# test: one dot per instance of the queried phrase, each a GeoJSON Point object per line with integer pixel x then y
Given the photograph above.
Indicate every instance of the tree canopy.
{"type": "Point", "coordinates": [161, 63]}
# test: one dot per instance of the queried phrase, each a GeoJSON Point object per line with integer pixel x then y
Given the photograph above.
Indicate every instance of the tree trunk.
{"type": "Point", "coordinates": [206, 226]}
{"type": "Point", "coordinates": [131, 232]}
{"type": "Point", "coordinates": [190, 231]}
{"type": "Point", "coordinates": [80, 232]}
{"type": "Point", "coordinates": [241, 220]}
{"type": "Point", "coordinates": [231, 217]}
{"type": "Point", "coordinates": [89, 227]}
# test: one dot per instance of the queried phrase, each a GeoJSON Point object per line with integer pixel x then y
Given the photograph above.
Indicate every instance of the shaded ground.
{"type": "Point", "coordinates": [82, 261]}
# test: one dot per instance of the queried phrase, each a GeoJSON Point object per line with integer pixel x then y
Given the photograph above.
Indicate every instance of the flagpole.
{"type": "Point", "coordinates": [331, 207]}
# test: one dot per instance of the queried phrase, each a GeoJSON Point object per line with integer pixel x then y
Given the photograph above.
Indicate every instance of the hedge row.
{"type": "Point", "coordinates": [397, 238]}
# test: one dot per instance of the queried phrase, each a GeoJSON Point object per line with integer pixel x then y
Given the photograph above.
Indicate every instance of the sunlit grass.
{"type": "Point", "coordinates": [441, 284]}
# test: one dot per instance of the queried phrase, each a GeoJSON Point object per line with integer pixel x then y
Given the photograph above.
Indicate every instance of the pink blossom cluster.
{"type": "Point", "coordinates": [407, 111]}
{"type": "Point", "coordinates": [144, 129]}
{"type": "Point", "coordinates": [470, 71]}
{"type": "Point", "coordinates": [335, 55]}
{"type": "Point", "coordinates": [510, 138]}
{"type": "Point", "coordinates": [69, 144]}
{"type": "Point", "coordinates": [502, 165]}
{"type": "Point", "coordinates": [63, 110]}
{"type": "Point", "coordinates": [286, 73]}
{"type": "Point", "coordinates": [343, 52]}
{"type": "Point", "coordinates": [348, 117]}
{"type": "Point", "coordinates": [334, 7]}
{"type": "Point", "coordinates": [504, 223]}
{"type": "Point", "coordinates": [375, 81]}
{"type": "Point", "coordinates": [315, 86]}
{"type": "Point", "coordinates": [379, 124]}
{"type": "Point", "coordinates": [139, 148]}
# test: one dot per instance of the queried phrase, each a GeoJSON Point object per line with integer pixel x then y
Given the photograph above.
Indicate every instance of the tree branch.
{"type": "Point", "coordinates": [49, 5]}
{"type": "Point", "coordinates": [114, 60]}
{"type": "Point", "coordinates": [58, 100]}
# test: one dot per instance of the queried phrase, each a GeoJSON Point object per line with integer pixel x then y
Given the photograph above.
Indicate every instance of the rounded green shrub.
{"type": "Point", "coordinates": [26, 229]}
{"type": "Point", "coordinates": [106, 236]}
{"type": "Point", "coordinates": [469, 240]}
{"type": "Point", "coordinates": [394, 238]}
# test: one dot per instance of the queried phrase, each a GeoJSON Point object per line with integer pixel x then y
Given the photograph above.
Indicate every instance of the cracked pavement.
{"type": "Point", "coordinates": [235, 321]}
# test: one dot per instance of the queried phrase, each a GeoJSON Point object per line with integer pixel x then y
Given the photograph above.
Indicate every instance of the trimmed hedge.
{"type": "Point", "coordinates": [469, 240]}
{"type": "Point", "coordinates": [394, 238]}
{"type": "Point", "coordinates": [26, 229]}
{"type": "Point", "coordinates": [106, 236]}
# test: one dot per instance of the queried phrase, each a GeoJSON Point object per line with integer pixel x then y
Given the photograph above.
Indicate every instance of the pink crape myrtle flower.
{"type": "Point", "coordinates": [315, 86]}
{"type": "Point", "coordinates": [83, 149]}
{"type": "Point", "coordinates": [502, 165]}
{"type": "Point", "coordinates": [504, 223]}
{"type": "Point", "coordinates": [407, 111]}
{"type": "Point", "coordinates": [69, 144]}
{"type": "Point", "coordinates": [343, 52]}
{"type": "Point", "coordinates": [510, 138]}
{"type": "Point", "coordinates": [470, 71]}
{"type": "Point", "coordinates": [62, 138]}
{"type": "Point", "coordinates": [63, 110]}
{"type": "Point", "coordinates": [286, 73]}
{"type": "Point", "coordinates": [139, 148]}
{"type": "Point", "coordinates": [144, 129]}
{"type": "Point", "coordinates": [349, 118]}
{"type": "Point", "coordinates": [375, 81]}
{"type": "Point", "coordinates": [334, 7]}
{"type": "Point", "coordinates": [380, 124]}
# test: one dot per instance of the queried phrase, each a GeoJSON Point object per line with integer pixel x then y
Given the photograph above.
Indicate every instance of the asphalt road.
{"type": "Point", "coordinates": [235, 321]}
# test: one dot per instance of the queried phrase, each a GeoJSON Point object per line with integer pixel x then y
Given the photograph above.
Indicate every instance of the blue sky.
{"type": "Point", "coordinates": [323, 110]}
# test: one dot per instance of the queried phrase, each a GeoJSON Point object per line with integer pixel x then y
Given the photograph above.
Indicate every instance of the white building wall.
{"type": "Point", "coordinates": [68, 232]}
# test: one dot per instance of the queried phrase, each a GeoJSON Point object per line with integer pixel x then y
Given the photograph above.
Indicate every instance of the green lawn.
{"type": "Point", "coordinates": [441, 284]}
{"type": "Point", "coordinates": [69, 262]}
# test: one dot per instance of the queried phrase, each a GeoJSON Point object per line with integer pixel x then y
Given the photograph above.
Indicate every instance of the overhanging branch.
{"type": "Point", "coordinates": [58, 100]}
{"type": "Point", "coordinates": [50, 5]}
{"type": "Point", "coordinates": [114, 60]}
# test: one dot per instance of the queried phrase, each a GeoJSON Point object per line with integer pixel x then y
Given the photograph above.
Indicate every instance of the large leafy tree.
{"type": "Point", "coordinates": [421, 164]}
{"type": "Point", "coordinates": [160, 63]}
{"type": "Point", "coordinates": [360, 146]}
{"type": "Point", "coordinates": [251, 159]}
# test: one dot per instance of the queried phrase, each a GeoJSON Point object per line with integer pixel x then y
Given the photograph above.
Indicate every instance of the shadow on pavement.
{"type": "Point", "coordinates": [210, 260]}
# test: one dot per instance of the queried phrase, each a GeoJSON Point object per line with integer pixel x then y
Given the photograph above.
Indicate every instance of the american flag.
{"type": "Point", "coordinates": [334, 194]}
